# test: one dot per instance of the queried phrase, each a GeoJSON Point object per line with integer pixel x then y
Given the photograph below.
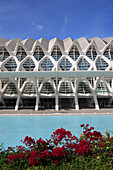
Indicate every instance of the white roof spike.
{"type": "Point", "coordinates": [12, 43]}
{"type": "Point", "coordinates": [100, 44]}
{"type": "Point", "coordinates": [107, 39]}
{"type": "Point", "coordinates": [83, 43]}
{"type": "Point", "coordinates": [28, 43]}
{"type": "Point", "coordinates": [44, 42]}
{"type": "Point", "coordinates": [67, 42]}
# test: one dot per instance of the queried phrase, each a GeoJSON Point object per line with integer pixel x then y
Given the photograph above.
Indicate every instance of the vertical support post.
{"type": "Point", "coordinates": [37, 103]}
{"type": "Point", "coordinates": [56, 103]}
{"type": "Point", "coordinates": [76, 96]}
{"type": "Point", "coordinates": [17, 83]}
{"type": "Point", "coordinates": [56, 97]}
{"type": "Point", "coordinates": [0, 91]}
{"type": "Point", "coordinates": [76, 102]}
{"type": "Point", "coordinates": [37, 97]}
{"type": "Point", "coordinates": [96, 102]}
{"type": "Point", "coordinates": [17, 102]}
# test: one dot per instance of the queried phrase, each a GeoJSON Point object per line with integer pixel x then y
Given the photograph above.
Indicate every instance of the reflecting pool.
{"type": "Point", "coordinates": [15, 128]}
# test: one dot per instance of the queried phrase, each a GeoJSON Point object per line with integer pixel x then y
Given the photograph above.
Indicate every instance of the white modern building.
{"type": "Point", "coordinates": [56, 74]}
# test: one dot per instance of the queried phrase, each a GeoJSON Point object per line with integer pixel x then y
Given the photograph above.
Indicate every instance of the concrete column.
{"type": "Point", "coordinates": [17, 84]}
{"type": "Point", "coordinates": [56, 97]}
{"type": "Point", "coordinates": [37, 92]}
{"type": "Point", "coordinates": [37, 103]}
{"type": "Point", "coordinates": [96, 102]}
{"type": "Point", "coordinates": [17, 102]}
{"type": "Point", "coordinates": [76, 96]}
{"type": "Point", "coordinates": [0, 91]}
{"type": "Point", "coordinates": [112, 84]}
{"type": "Point", "coordinates": [56, 103]}
{"type": "Point", "coordinates": [76, 102]}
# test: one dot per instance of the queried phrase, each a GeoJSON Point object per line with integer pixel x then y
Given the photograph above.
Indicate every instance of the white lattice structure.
{"type": "Point", "coordinates": [54, 89]}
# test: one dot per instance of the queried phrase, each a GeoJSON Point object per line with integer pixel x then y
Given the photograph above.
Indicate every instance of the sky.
{"type": "Point", "coordinates": [56, 18]}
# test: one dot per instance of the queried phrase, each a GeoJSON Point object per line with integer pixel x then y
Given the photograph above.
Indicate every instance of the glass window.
{"type": "Point", "coordinates": [65, 64]}
{"type": "Point", "coordinates": [10, 89]}
{"type": "Point", "coordinates": [47, 88]}
{"type": "Point", "coordinates": [109, 53]}
{"type": "Point", "coordinates": [38, 53]}
{"type": "Point", "coordinates": [101, 64]}
{"type": "Point", "coordinates": [83, 88]}
{"type": "Point", "coordinates": [11, 65]}
{"type": "Point", "coordinates": [102, 88]}
{"type": "Point", "coordinates": [65, 88]}
{"type": "Point", "coordinates": [21, 54]}
{"type": "Point", "coordinates": [3, 54]}
{"type": "Point", "coordinates": [91, 53]}
{"type": "Point", "coordinates": [83, 64]}
{"type": "Point", "coordinates": [56, 53]}
{"type": "Point", "coordinates": [29, 88]}
{"type": "Point", "coordinates": [74, 53]}
{"type": "Point", "coordinates": [47, 65]}
{"type": "Point", "coordinates": [29, 65]}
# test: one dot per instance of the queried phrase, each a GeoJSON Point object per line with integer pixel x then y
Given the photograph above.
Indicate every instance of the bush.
{"type": "Point", "coordinates": [62, 151]}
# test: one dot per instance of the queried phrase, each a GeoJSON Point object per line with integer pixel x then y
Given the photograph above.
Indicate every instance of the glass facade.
{"type": "Point", "coordinates": [3, 54]}
{"type": "Point", "coordinates": [29, 65]}
{"type": "Point", "coordinates": [65, 88]}
{"type": "Point", "coordinates": [47, 65]}
{"type": "Point", "coordinates": [56, 53]}
{"type": "Point", "coordinates": [83, 64]}
{"type": "Point", "coordinates": [11, 65]}
{"type": "Point", "coordinates": [38, 53]}
{"type": "Point", "coordinates": [65, 64]}
{"type": "Point", "coordinates": [74, 53]}
{"type": "Point", "coordinates": [91, 53]}
{"type": "Point", "coordinates": [101, 64]}
{"type": "Point", "coordinates": [21, 54]}
{"type": "Point", "coordinates": [108, 53]}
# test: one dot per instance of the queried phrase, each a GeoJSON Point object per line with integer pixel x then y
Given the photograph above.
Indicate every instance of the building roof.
{"type": "Point", "coordinates": [64, 44]}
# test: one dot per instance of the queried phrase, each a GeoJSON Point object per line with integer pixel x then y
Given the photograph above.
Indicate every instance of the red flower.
{"type": "Point", "coordinates": [87, 125]}
{"type": "Point", "coordinates": [91, 128]}
{"type": "Point", "coordinates": [29, 141]}
{"type": "Point", "coordinates": [58, 152]}
{"type": "Point", "coordinates": [82, 125]}
{"type": "Point", "coordinates": [56, 162]}
{"type": "Point", "coordinates": [31, 161]}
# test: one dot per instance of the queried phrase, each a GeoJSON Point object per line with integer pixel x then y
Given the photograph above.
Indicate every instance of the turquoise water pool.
{"type": "Point", "coordinates": [15, 128]}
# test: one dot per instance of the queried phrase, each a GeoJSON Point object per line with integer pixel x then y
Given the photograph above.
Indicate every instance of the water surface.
{"type": "Point", "coordinates": [15, 128]}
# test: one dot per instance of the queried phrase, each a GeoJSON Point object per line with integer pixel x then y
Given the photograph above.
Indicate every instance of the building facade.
{"type": "Point", "coordinates": [56, 74]}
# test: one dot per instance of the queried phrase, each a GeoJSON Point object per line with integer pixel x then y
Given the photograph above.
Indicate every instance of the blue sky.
{"type": "Point", "coordinates": [56, 18]}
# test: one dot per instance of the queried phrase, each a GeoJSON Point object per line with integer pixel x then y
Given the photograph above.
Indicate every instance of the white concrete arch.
{"type": "Point", "coordinates": [37, 43]}
{"type": "Point", "coordinates": [24, 47]}
{"type": "Point", "coordinates": [107, 45]}
{"type": "Point", "coordinates": [92, 43]}
{"type": "Point", "coordinates": [56, 43]}
{"type": "Point", "coordinates": [78, 47]}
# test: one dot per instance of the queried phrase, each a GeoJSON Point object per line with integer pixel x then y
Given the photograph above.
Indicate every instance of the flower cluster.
{"type": "Point", "coordinates": [62, 145]}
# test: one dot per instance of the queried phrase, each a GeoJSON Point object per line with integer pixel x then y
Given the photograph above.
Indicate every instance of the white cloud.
{"type": "Point", "coordinates": [40, 27]}
{"type": "Point", "coordinates": [37, 26]}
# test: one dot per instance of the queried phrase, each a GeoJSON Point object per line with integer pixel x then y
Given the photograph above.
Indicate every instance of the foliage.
{"type": "Point", "coordinates": [62, 151]}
